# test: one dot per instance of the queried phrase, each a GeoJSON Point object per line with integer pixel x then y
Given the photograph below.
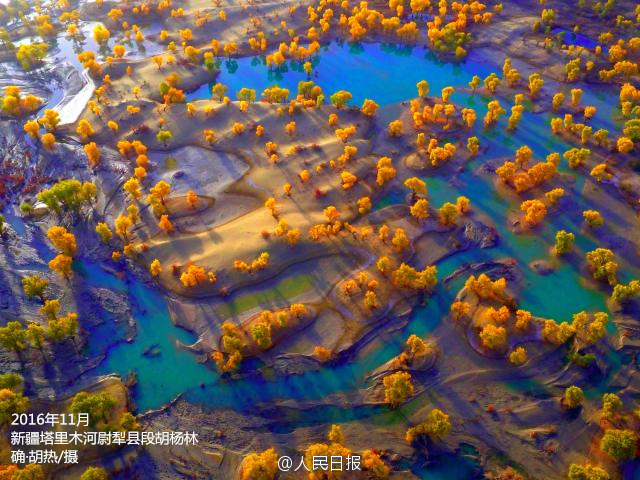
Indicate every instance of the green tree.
{"type": "Point", "coordinates": [623, 293]}
{"type": "Point", "coordinates": [60, 329]}
{"type": "Point", "coordinates": [128, 422]}
{"type": "Point", "coordinates": [261, 334]}
{"type": "Point", "coordinates": [12, 381]}
{"type": "Point", "coordinates": [586, 472]}
{"type": "Point", "coordinates": [26, 208]}
{"type": "Point", "coordinates": [573, 397]}
{"type": "Point", "coordinates": [31, 55]}
{"type": "Point", "coordinates": [564, 242]}
{"type": "Point", "coordinates": [11, 402]}
{"type": "Point", "coordinates": [97, 405]}
{"type": "Point", "coordinates": [13, 337]}
{"type": "Point", "coordinates": [632, 129]}
{"type": "Point", "coordinates": [34, 286]}
{"type": "Point", "coordinates": [397, 388]}
{"type": "Point", "coordinates": [36, 335]}
{"type": "Point", "coordinates": [340, 98]}
{"type": "Point", "coordinates": [619, 444]}
{"type": "Point", "coordinates": [30, 472]}
{"type": "Point", "coordinates": [611, 405]}
{"type": "Point", "coordinates": [164, 136]}
{"type": "Point", "coordinates": [94, 473]}
{"type": "Point", "coordinates": [246, 94]}
{"type": "Point", "coordinates": [436, 426]}
{"type": "Point", "coordinates": [603, 265]}
{"type": "Point", "coordinates": [68, 195]}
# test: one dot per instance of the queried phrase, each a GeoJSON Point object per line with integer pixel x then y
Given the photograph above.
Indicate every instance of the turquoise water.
{"type": "Point", "coordinates": [538, 291]}
{"type": "Point", "coordinates": [382, 72]}
{"type": "Point", "coordinates": [14, 220]}
{"type": "Point", "coordinates": [161, 376]}
{"type": "Point", "coordinates": [386, 74]}
{"type": "Point", "coordinates": [575, 38]}
{"type": "Point", "coordinates": [396, 71]}
{"type": "Point", "coordinates": [448, 467]}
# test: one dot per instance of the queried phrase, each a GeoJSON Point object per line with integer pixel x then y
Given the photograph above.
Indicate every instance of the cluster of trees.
{"type": "Point", "coordinates": [442, 114]}
{"type": "Point", "coordinates": [230, 357]}
{"type": "Point", "coordinates": [585, 329]}
{"type": "Point", "coordinates": [30, 471]}
{"type": "Point", "coordinates": [443, 36]}
{"type": "Point", "coordinates": [335, 448]}
{"type": "Point", "coordinates": [405, 276]}
{"type": "Point", "coordinates": [12, 399]}
{"type": "Point", "coordinates": [494, 324]}
{"type": "Point", "coordinates": [623, 293]}
{"type": "Point", "coordinates": [49, 121]}
{"type": "Point", "coordinates": [99, 407]}
{"type": "Point", "coordinates": [520, 176]}
{"type": "Point", "coordinates": [195, 275]}
{"type": "Point", "coordinates": [14, 336]}
{"type": "Point", "coordinates": [588, 472]}
{"type": "Point", "coordinates": [566, 124]}
{"type": "Point", "coordinates": [68, 196]}
{"type": "Point", "coordinates": [17, 105]}
{"type": "Point", "coordinates": [618, 442]}
{"type": "Point", "coordinates": [156, 198]}
{"type": "Point", "coordinates": [282, 230]}
{"type": "Point", "coordinates": [260, 328]}
{"type": "Point", "coordinates": [362, 283]}
{"type": "Point", "coordinates": [485, 288]}
{"type": "Point", "coordinates": [255, 265]}
{"type": "Point", "coordinates": [452, 36]}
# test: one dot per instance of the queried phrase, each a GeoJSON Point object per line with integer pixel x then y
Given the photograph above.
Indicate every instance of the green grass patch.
{"type": "Point", "coordinates": [287, 288]}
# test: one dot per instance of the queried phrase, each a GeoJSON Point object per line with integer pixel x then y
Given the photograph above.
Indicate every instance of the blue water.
{"type": "Point", "coordinates": [448, 467]}
{"type": "Point", "coordinates": [396, 71]}
{"type": "Point", "coordinates": [525, 247]}
{"type": "Point", "coordinates": [388, 75]}
{"type": "Point", "coordinates": [575, 38]}
{"type": "Point", "coordinates": [16, 222]}
{"type": "Point", "coordinates": [160, 377]}
{"type": "Point", "coordinates": [382, 72]}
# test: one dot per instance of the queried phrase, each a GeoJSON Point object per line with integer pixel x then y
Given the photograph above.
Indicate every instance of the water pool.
{"type": "Point", "coordinates": [382, 72]}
